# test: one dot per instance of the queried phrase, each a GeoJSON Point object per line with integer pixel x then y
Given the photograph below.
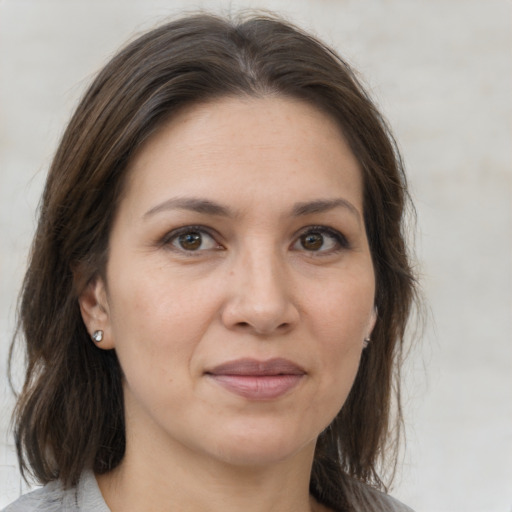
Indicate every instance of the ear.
{"type": "Point", "coordinates": [373, 321]}
{"type": "Point", "coordinates": [94, 308]}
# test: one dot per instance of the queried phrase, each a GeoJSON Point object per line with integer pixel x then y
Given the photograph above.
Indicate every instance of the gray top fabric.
{"type": "Point", "coordinates": [86, 497]}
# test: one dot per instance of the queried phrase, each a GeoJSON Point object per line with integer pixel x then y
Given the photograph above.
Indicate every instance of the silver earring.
{"type": "Point", "coordinates": [97, 336]}
{"type": "Point", "coordinates": [366, 341]}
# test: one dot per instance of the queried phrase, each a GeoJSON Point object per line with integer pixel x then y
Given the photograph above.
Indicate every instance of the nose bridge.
{"type": "Point", "coordinates": [260, 297]}
{"type": "Point", "coordinates": [262, 270]}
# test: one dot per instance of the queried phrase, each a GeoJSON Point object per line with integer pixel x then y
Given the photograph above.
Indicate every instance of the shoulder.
{"type": "Point", "coordinates": [370, 499]}
{"type": "Point", "coordinates": [53, 497]}
{"type": "Point", "coordinates": [46, 499]}
{"type": "Point", "coordinates": [388, 503]}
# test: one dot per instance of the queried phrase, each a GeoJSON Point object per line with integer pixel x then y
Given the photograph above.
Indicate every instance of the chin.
{"type": "Point", "coordinates": [253, 447]}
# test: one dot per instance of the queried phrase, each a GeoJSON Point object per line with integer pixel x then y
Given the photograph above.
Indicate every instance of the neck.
{"type": "Point", "coordinates": [168, 473]}
{"type": "Point", "coordinates": [180, 480]}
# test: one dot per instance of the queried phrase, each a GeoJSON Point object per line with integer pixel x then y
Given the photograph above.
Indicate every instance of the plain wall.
{"type": "Point", "coordinates": [441, 70]}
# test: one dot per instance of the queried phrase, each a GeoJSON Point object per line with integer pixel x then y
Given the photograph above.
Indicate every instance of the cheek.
{"type": "Point", "coordinates": [336, 374]}
{"type": "Point", "coordinates": [157, 323]}
{"type": "Point", "coordinates": [340, 316]}
{"type": "Point", "coordinates": [159, 298]}
{"type": "Point", "coordinates": [339, 360]}
{"type": "Point", "coordinates": [341, 312]}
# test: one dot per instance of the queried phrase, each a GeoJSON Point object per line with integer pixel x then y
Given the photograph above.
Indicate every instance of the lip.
{"type": "Point", "coordinates": [258, 380]}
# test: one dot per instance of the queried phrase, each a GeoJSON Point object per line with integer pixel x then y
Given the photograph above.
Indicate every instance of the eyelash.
{"type": "Point", "coordinates": [340, 240]}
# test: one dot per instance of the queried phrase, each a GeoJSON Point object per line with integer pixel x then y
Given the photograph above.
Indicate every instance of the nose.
{"type": "Point", "coordinates": [260, 299]}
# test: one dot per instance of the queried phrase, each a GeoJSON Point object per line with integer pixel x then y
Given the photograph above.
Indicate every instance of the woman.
{"type": "Point", "coordinates": [218, 289]}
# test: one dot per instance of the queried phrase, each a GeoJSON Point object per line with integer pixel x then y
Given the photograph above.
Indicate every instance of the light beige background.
{"type": "Point", "coordinates": [442, 72]}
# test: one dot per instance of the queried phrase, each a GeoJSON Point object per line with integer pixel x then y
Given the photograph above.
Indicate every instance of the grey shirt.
{"type": "Point", "coordinates": [86, 497]}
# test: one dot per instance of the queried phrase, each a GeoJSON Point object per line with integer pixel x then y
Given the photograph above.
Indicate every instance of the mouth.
{"type": "Point", "coordinates": [258, 380]}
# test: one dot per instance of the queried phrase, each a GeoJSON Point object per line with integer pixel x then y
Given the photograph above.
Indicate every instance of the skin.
{"type": "Point", "coordinates": [255, 287]}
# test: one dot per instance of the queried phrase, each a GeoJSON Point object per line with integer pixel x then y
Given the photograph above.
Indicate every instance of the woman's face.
{"type": "Point", "coordinates": [239, 285]}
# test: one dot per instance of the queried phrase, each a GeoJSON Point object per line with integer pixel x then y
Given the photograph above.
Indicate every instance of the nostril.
{"type": "Point", "coordinates": [263, 329]}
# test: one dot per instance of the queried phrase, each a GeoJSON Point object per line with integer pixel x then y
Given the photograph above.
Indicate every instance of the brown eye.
{"type": "Point", "coordinates": [322, 240]}
{"type": "Point", "coordinates": [312, 241]}
{"type": "Point", "coordinates": [190, 241]}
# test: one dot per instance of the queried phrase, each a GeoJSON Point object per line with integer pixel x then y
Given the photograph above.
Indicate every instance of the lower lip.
{"type": "Point", "coordinates": [258, 387]}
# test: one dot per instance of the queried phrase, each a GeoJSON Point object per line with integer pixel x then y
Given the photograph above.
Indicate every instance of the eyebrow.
{"type": "Point", "coordinates": [324, 205]}
{"type": "Point", "coordinates": [208, 207]}
{"type": "Point", "coordinates": [194, 204]}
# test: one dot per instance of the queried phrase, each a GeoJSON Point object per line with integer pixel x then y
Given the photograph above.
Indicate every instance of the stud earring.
{"type": "Point", "coordinates": [366, 341]}
{"type": "Point", "coordinates": [97, 336]}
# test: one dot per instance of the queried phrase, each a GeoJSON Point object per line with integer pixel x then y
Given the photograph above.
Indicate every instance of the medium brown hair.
{"type": "Point", "coordinates": [69, 415]}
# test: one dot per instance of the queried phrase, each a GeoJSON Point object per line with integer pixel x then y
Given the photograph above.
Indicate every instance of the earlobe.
{"type": "Point", "coordinates": [95, 313]}
{"type": "Point", "coordinates": [371, 324]}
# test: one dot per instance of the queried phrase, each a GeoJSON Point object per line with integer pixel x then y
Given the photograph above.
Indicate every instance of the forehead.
{"type": "Point", "coordinates": [232, 146]}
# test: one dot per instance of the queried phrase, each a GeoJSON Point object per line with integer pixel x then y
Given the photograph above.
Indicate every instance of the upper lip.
{"type": "Point", "coordinates": [254, 367]}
